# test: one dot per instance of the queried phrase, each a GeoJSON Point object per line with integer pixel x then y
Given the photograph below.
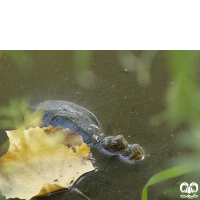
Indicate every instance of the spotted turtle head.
{"type": "Point", "coordinates": [113, 144]}
{"type": "Point", "coordinates": [132, 153]}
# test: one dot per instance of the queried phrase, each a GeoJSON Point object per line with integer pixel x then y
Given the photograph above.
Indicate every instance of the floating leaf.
{"type": "Point", "coordinates": [42, 160]}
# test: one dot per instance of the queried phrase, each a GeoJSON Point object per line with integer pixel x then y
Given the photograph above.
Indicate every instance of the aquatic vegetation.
{"type": "Point", "coordinates": [18, 116]}
{"type": "Point", "coordinates": [182, 107]}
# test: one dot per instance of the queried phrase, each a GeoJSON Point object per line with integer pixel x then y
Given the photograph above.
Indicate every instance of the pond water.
{"type": "Point", "coordinates": [111, 88]}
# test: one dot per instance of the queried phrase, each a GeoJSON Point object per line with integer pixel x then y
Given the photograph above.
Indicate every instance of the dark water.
{"type": "Point", "coordinates": [113, 93]}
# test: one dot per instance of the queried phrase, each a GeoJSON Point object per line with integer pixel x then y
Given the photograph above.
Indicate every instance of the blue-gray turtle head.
{"type": "Point", "coordinates": [132, 153]}
{"type": "Point", "coordinates": [113, 144]}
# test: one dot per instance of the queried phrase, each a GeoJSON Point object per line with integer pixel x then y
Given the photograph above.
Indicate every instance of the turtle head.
{"type": "Point", "coordinates": [132, 153]}
{"type": "Point", "coordinates": [113, 144]}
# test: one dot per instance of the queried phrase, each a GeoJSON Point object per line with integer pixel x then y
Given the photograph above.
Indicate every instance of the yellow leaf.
{"type": "Point", "coordinates": [42, 160]}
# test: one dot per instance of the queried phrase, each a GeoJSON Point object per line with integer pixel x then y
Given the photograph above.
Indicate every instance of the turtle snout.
{"type": "Point", "coordinates": [132, 153]}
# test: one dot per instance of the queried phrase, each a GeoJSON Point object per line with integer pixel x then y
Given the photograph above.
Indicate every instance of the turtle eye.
{"type": "Point", "coordinates": [114, 146]}
{"type": "Point", "coordinates": [125, 153]}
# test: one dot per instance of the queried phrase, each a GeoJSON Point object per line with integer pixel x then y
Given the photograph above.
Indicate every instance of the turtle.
{"type": "Point", "coordinates": [69, 115]}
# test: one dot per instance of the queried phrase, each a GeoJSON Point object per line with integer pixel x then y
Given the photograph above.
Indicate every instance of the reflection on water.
{"type": "Point", "coordinates": [113, 93]}
{"type": "Point", "coordinates": [138, 64]}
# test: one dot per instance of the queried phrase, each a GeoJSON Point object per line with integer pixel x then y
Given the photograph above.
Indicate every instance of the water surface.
{"type": "Point", "coordinates": [113, 92]}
